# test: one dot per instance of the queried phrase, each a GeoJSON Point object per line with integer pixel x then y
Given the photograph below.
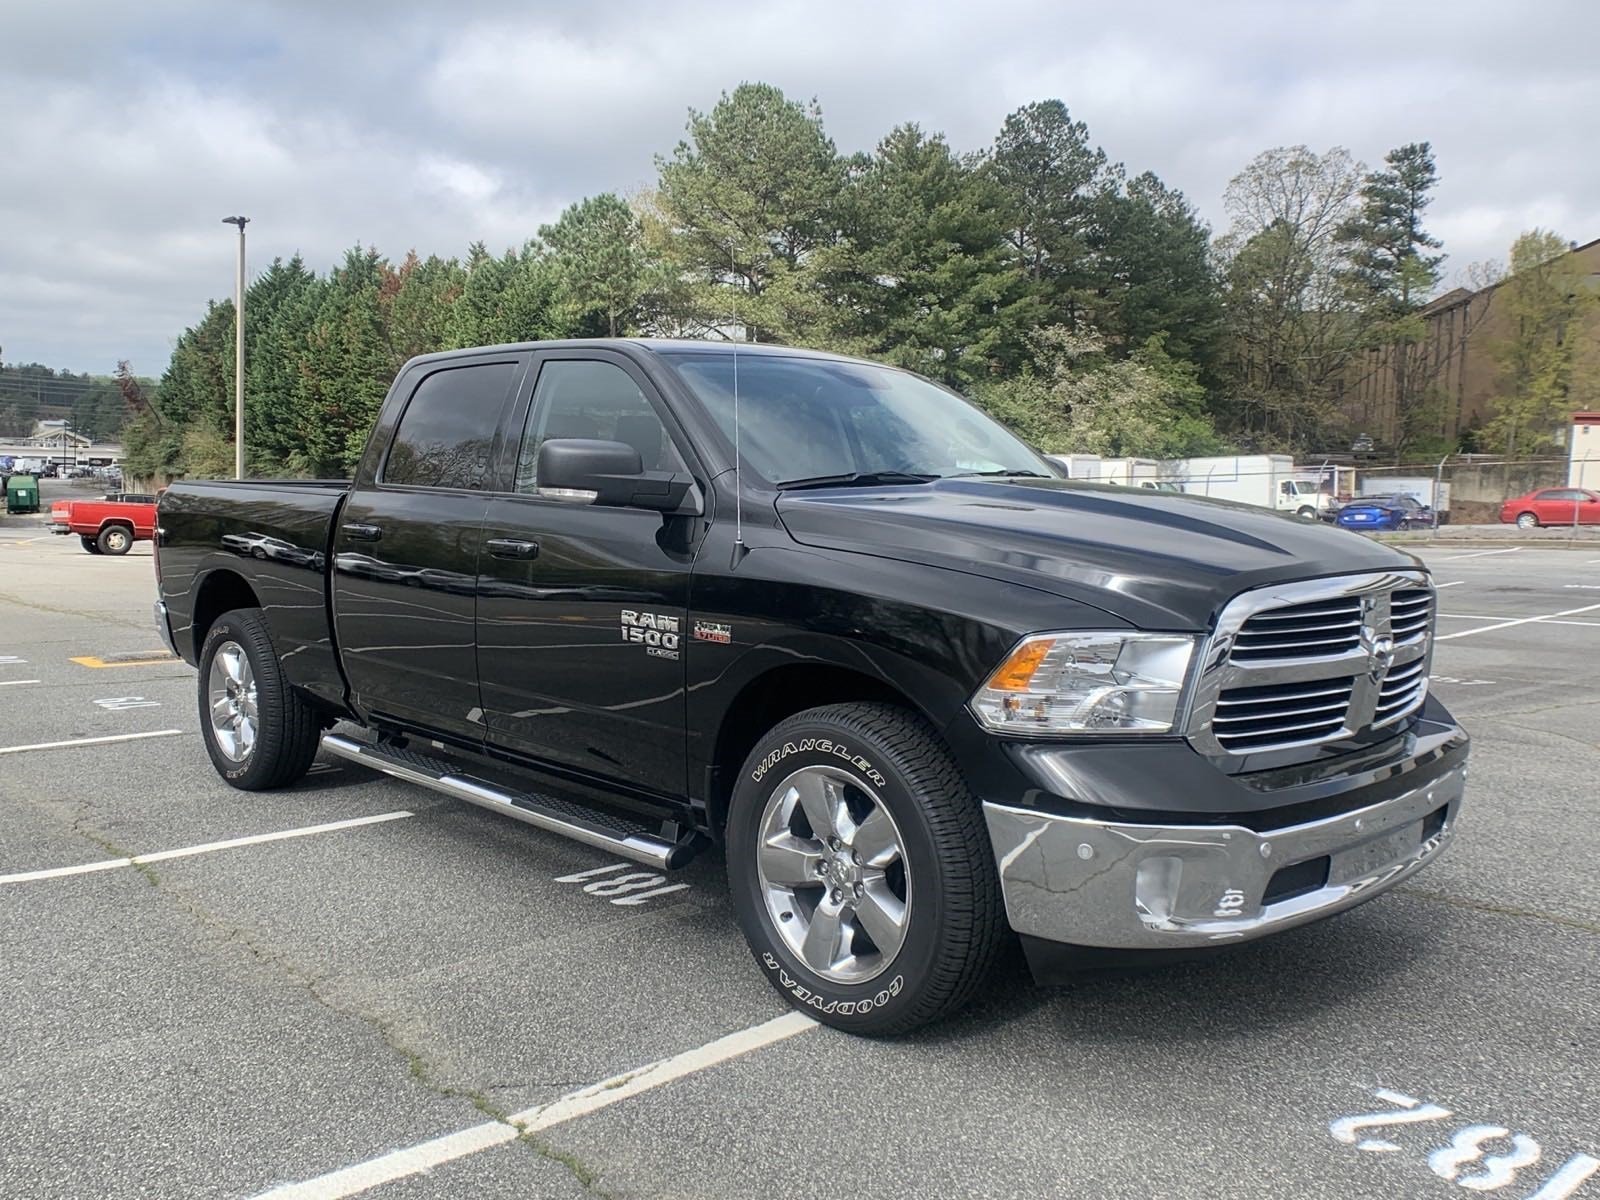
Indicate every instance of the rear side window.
{"type": "Point", "coordinates": [445, 438]}
{"type": "Point", "coordinates": [583, 399]}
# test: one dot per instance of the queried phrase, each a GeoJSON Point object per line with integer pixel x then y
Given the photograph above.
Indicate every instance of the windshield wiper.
{"type": "Point", "coordinates": [855, 479]}
{"type": "Point", "coordinates": [996, 474]}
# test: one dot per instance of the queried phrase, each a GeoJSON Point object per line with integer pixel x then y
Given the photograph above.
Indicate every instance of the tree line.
{"type": "Point", "coordinates": [1088, 307]}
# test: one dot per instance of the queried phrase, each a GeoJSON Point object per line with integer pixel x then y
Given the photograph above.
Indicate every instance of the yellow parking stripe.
{"type": "Point", "coordinates": [90, 660]}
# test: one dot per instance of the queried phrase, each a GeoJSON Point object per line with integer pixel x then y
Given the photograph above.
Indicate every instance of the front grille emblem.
{"type": "Point", "coordinates": [1380, 653]}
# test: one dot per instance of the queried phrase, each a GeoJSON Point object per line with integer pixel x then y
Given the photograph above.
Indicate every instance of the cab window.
{"type": "Point", "coordinates": [445, 438]}
{"type": "Point", "coordinates": [578, 398]}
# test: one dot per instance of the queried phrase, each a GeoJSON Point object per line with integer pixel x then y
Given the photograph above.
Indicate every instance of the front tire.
{"type": "Point", "coordinates": [1527, 520]}
{"type": "Point", "coordinates": [259, 732]}
{"type": "Point", "coordinates": [861, 870]}
{"type": "Point", "coordinates": [115, 539]}
{"type": "Point", "coordinates": [1306, 513]}
{"type": "Point", "coordinates": [88, 543]}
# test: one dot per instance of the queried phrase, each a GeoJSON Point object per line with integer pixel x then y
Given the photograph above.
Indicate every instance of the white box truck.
{"type": "Point", "coordinates": [1078, 466]}
{"type": "Point", "coordinates": [1269, 480]}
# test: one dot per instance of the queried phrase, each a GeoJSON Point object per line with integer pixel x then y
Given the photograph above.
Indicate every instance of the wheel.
{"type": "Point", "coordinates": [861, 870]}
{"type": "Point", "coordinates": [259, 732]}
{"type": "Point", "coordinates": [1527, 520]}
{"type": "Point", "coordinates": [1306, 513]}
{"type": "Point", "coordinates": [115, 539]}
{"type": "Point", "coordinates": [89, 544]}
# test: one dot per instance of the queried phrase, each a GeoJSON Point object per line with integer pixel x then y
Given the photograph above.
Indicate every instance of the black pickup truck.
{"type": "Point", "coordinates": [915, 686]}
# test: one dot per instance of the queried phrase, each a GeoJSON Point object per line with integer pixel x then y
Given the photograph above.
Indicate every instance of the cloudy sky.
{"type": "Point", "coordinates": [127, 131]}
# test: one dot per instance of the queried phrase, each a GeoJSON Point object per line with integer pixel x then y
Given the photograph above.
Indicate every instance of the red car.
{"type": "Point", "coordinates": [109, 526]}
{"type": "Point", "coordinates": [1553, 506]}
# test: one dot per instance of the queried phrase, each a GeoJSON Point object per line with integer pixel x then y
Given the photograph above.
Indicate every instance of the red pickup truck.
{"type": "Point", "coordinates": [109, 526]}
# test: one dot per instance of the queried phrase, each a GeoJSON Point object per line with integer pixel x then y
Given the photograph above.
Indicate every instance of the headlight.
{"type": "Point", "coordinates": [1096, 683]}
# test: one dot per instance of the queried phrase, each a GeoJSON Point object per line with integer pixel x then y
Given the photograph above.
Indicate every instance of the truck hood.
{"type": "Point", "coordinates": [1156, 560]}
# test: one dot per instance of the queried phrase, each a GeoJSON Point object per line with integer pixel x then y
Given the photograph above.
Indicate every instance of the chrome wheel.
{"type": "Point", "coordinates": [831, 863]}
{"type": "Point", "coordinates": [1527, 521]}
{"type": "Point", "coordinates": [231, 688]}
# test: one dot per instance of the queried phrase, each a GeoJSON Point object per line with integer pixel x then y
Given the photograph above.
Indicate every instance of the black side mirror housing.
{"type": "Point", "coordinates": [609, 474]}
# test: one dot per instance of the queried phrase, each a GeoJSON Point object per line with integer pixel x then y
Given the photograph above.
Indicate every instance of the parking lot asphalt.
{"type": "Point", "coordinates": [314, 1008]}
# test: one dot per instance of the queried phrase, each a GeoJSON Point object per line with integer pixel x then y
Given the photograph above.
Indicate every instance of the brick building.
{"type": "Point", "coordinates": [1459, 361]}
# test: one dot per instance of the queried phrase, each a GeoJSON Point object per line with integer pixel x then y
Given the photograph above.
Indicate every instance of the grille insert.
{"type": "Point", "coordinates": [1312, 630]}
{"type": "Point", "coordinates": [1278, 715]}
{"type": "Point", "coordinates": [1412, 614]}
{"type": "Point", "coordinates": [1402, 691]}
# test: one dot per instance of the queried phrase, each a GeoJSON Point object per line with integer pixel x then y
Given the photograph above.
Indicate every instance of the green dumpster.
{"type": "Point", "coordinates": [22, 494]}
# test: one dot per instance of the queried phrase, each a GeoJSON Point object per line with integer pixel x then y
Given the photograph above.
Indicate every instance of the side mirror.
{"type": "Point", "coordinates": [610, 474]}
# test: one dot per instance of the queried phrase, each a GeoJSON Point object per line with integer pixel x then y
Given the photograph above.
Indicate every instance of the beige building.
{"type": "Point", "coordinates": [1583, 451]}
{"type": "Point", "coordinates": [1457, 360]}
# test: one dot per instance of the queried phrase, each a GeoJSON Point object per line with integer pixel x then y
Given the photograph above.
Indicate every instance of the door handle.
{"type": "Point", "coordinates": [362, 533]}
{"type": "Point", "coordinates": [512, 548]}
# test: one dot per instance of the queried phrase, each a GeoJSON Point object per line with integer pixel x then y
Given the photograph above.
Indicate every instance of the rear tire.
{"type": "Point", "coordinates": [89, 544]}
{"type": "Point", "coordinates": [1527, 520]}
{"type": "Point", "coordinates": [259, 732]}
{"type": "Point", "coordinates": [907, 864]}
{"type": "Point", "coordinates": [115, 539]}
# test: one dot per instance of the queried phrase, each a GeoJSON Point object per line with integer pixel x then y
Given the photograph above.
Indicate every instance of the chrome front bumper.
{"type": "Point", "coordinates": [1149, 887]}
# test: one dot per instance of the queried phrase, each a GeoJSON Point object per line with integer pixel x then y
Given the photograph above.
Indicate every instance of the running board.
{"type": "Point", "coordinates": [589, 826]}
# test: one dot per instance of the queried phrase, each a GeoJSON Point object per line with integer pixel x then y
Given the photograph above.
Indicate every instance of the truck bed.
{"type": "Point", "coordinates": [273, 534]}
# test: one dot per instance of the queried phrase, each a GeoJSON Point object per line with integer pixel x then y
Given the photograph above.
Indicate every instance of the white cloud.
{"type": "Point", "coordinates": [130, 131]}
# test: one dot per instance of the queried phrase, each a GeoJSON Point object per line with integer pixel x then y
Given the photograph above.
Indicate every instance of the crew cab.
{"type": "Point", "coordinates": [660, 596]}
{"type": "Point", "coordinates": [109, 526]}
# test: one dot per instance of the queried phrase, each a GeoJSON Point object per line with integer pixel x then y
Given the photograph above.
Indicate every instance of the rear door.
{"type": "Point", "coordinates": [406, 547]}
{"type": "Point", "coordinates": [1555, 506]}
{"type": "Point", "coordinates": [582, 609]}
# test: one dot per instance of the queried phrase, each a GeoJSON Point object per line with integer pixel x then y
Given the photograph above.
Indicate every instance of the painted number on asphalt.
{"type": "Point", "coordinates": [1459, 682]}
{"type": "Point", "coordinates": [1472, 1157]}
{"type": "Point", "coordinates": [118, 703]}
{"type": "Point", "coordinates": [633, 888]}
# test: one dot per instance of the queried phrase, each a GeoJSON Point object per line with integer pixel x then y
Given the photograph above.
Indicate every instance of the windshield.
{"type": "Point", "coordinates": [816, 418]}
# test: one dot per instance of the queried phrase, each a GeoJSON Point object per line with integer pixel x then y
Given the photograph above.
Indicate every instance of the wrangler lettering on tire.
{"type": "Point", "coordinates": [860, 869]}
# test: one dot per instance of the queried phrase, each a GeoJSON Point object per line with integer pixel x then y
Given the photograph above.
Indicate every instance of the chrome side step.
{"type": "Point", "coordinates": [600, 830]}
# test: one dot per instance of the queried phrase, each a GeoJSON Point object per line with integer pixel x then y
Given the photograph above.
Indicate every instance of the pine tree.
{"type": "Point", "coordinates": [924, 271]}
{"type": "Point", "coordinates": [742, 207]}
{"type": "Point", "coordinates": [1391, 273]}
{"type": "Point", "coordinates": [600, 271]}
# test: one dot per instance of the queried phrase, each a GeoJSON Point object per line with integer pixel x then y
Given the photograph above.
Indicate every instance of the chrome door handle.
{"type": "Point", "coordinates": [362, 533]}
{"type": "Point", "coordinates": [512, 548]}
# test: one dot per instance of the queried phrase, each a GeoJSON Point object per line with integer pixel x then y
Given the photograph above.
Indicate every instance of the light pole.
{"type": "Point", "coordinates": [238, 353]}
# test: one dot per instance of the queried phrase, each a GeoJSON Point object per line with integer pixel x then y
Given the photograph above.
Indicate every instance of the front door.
{"type": "Point", "coordinates": [406, 548]}
{"type": "Point", "coordinates": [581, 609]}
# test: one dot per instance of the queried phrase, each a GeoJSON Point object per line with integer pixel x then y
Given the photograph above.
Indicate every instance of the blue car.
{"type": "Point", "coordinates": [1385, 512]}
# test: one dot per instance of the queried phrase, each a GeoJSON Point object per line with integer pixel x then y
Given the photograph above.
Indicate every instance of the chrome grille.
{"type": "Point", "coordinates": [1281, 714]}
{"type": "Point", "coordinates": [1402, 690]}
{"type": "Point", "coordinates": [1411, 613]}
{"type": "Point", "coordinates": [1300, 631]}
{"type": "Point", "coordinates": [1303, 664]}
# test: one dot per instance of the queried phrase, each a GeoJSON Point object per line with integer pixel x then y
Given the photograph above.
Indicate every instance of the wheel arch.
{"type": "Point", "coordinates": [221, 591]}
{"type": "Point", "coordinates": [776, 693]}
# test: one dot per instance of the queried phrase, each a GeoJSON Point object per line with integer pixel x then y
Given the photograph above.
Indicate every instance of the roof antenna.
{"type": "Point", "coordinates": [739, 548]}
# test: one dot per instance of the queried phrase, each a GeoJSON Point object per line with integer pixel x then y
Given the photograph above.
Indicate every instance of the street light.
{"type": "Point", "coordinates": [238, 353]}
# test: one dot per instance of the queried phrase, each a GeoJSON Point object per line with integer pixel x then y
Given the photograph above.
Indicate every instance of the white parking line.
{"type": "Point", "coordinates": [414, 1160]}
{"type": "Point", "coordinates": [16, 682]}
{"type": "Point", "coordinates": [204, 848]}
{"type": "Point", "coordinates": [1480, 554]}
{"type": "Point", "coordinates": [1452, 583]}
{"type": "Point", "coordinates": [1519, 621]}
{"type": "Point", "coordinates": [94, 741]}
